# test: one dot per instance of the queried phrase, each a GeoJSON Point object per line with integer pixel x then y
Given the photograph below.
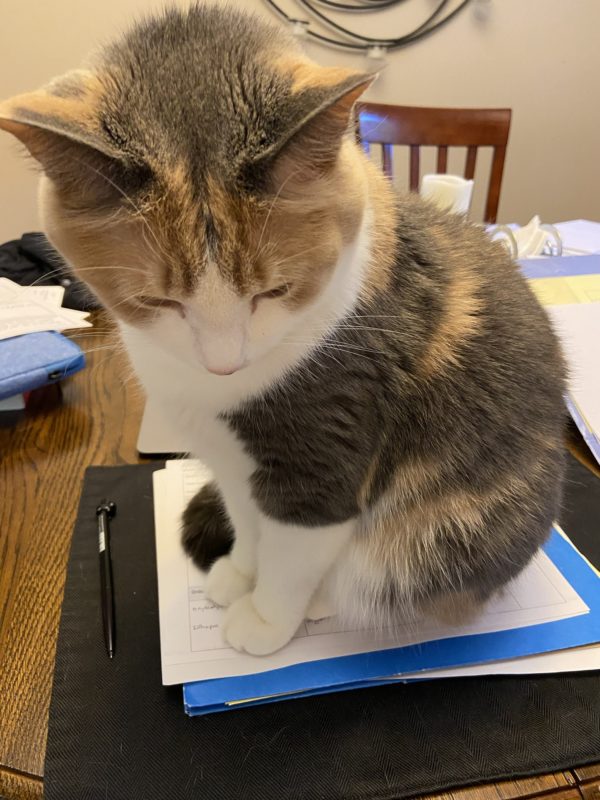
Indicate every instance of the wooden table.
{"type": "Point", "coordinates": [93, 420]}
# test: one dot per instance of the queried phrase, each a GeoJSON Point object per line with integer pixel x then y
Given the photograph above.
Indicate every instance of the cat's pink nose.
{"type": "Point", "coordinates": [223, 370]}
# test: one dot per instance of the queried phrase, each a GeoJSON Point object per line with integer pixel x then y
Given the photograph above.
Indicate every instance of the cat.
{"type": "Point", "coordinates": [371, 381]}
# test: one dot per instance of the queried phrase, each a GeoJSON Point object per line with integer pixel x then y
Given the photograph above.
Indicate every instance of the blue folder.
{"type": "Point", "coordinates": [371, 669]}
{"type": "Point", "coordinates": [560, 266]}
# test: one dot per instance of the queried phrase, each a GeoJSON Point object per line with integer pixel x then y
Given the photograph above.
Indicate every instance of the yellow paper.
{"type": "Point", "coordinates": [567, 291]}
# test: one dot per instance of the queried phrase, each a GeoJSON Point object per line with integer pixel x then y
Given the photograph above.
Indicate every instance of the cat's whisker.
{"type": "Point", "coordinates": [328, 343]}
{"type": "Point", "coordinates": [365, 328]}
{"type": "Point", "coordinates": [160, 254]}
{"type": "Point", "coordinates": [352, 350]}
{"type": "Point", "coordinates": [270, 211]}
{"type": "Point", "coordinates": [72, 275]}
{"type": "Point", "coordinates": [108, 346]}
{"type": "Point", "coordinates": [137, 209]}
{"type": "Point", "coordinates": [278, 262]}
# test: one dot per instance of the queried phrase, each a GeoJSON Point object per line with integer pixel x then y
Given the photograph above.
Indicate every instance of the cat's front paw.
{"type": "Point", "coordinates": [225, 583]}
{"type": "Point", "coordinates": [245, 629]}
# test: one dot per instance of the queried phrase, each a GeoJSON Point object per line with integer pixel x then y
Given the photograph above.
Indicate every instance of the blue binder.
{"type": "Point", "coordinates": [372, 669]}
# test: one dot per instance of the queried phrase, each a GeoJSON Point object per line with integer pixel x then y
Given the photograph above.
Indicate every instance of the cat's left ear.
{"type": "Point", "coordinates": [323, 102]}
{"type": "Point", "coordinates": [61, 126]}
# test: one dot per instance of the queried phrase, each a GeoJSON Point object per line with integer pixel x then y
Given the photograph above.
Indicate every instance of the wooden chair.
{"type": "Point", "coordinates": [441, 127]}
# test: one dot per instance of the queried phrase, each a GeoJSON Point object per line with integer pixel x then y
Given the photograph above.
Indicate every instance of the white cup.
{"type": "Point", "coordinates": [450, 192]}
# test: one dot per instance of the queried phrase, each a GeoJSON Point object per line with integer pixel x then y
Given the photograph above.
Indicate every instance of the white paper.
{"type": "Point", "coordinates": [49, 295]}
{"type": "Point", "coordinates": [14, 403]}
{"type": "Point", "coordinates": [192, 647]}
{"type": "Point", "coordinates": [574, 659]}
{"type": "Point", "coordinates": [578, 326]}
{"type": "Point", "coordinates": [579, 236]}
{"type": "Point", "coordinates": [32, 309]}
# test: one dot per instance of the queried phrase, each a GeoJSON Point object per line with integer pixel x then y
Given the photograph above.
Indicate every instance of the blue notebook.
{"type": "Point", "coordinates": [35, 359]}
{"type": "Point", "coordinates": [370, 669]}
{"type": "Point", "coordinates": [560, 266]}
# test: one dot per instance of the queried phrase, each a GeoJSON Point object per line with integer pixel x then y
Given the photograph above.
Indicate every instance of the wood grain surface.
{"type": "Point", "coordinates": [92, 419]}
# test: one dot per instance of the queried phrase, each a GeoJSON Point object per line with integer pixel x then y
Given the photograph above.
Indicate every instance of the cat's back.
{"type": "Point", "coordinates": [473, 368]}
{"type": "Point", "coordinates": [464, 301]}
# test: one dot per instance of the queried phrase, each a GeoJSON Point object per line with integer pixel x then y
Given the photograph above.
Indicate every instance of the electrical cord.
{"type": "Point", "coordinates": [423, 30]}
{"type": "Point", "coordinates": [361, 5]}
{"type": "Point", "coordinates": [368, 39]}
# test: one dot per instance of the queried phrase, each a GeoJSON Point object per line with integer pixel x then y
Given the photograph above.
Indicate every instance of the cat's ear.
{"type": "Point", "coordinates": [324, 99]}
{"type": "Point", "coordinates": [61, 126]}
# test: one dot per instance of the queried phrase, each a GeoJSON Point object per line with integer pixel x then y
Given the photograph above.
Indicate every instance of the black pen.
{"type": "Point", "coordinates": [104, 512]}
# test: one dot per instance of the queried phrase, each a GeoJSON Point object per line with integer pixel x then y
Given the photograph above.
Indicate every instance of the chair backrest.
{"type": "Point", "coordinates": [442, 128]}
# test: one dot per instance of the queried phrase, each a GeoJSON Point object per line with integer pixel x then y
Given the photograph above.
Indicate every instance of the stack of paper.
{"type": "Point", "coordinates": [569, 287]}
{"type": "Point", "coordinates": [31, 309]}
{"type": "Point", "coordinates": [552, 606]}
{"type": "Point", "coordinates": [579, 236]}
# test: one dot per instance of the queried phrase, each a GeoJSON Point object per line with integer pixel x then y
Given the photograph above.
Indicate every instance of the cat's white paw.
{"type": "Point", "coordinates": [320, 607]}
{"type": "Point", "coordinates": [225, 583]}
{"type": "Point", "coordinates": [245, 629]}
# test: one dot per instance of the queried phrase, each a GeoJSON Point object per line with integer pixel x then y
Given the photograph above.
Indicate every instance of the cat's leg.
{"type": "Point", "coordinates": [233, 575]}
{"type": "Point", "coordinates": [212, 541]}
{"type": "Point", "coordinates": [207, 532]}
{"type": "Point", "coordinates": [292, 562]}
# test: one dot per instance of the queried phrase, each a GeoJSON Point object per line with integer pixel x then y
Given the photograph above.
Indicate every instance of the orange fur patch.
{"type": "Point", "coordinates": [401, 531]}
{"type": "Point", "coordinates": [381, 199]}
{"type": "Point", "coordinates": [459, 322]}
{"type": "Point", "coordinates": [306, 74]}
{"type": "Point", "coordinates": [111, 254]}
{"type": "Point", "coordinates": [456, 608]}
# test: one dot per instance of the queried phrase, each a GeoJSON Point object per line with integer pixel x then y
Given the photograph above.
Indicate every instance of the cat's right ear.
{"type": "Point", "coordinates": [322, 102]}
{"type": "Point", "coordinates": [61, 126]}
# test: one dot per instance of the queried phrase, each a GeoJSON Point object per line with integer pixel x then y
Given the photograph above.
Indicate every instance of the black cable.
{"type": "Point", "coordinates": [419, 33]}
{"type": "Point", "coordinates": [441, 23]}
{"type": "Point", "coordinates": [368, 39]}
{"type": "Point", "coordinates": [313, 35]}
{"type": "Point", "coordinates": [373, 5]}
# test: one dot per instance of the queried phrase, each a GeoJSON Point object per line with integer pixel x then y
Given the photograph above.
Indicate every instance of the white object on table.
{"type": "Point", "coordinates": [31, 309]}
{"type": "Point", "coordinates": [450, 192]}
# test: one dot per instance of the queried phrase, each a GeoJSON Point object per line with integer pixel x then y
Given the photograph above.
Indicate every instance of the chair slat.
{"type": "Point", "coordinates": [493, 195]}
{"type": "Point", "coordinates": [442, 159]}
{"type": "Point", "coordinates": [414, 168]}
{"type": "Point", "coordinates": [470, 163]}
{"type": "Point", "coordinates": [387, 160]}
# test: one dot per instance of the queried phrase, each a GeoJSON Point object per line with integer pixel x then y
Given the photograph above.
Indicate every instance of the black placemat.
{"type": "Point", "coordinates": [116, 733]}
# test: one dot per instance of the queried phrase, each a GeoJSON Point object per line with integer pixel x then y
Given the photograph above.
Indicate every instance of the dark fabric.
{"type": "Point", "coordinates": [116, 733]}
{"type": "Point", "coordinates": [32, 259]}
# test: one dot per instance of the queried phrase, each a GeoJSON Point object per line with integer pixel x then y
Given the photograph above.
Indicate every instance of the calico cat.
{"type": "Point", "coordinates": [371, 381]}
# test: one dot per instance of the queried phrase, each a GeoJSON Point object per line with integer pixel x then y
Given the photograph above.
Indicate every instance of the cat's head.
{"type": "Point", "coordinates": [201, 178]}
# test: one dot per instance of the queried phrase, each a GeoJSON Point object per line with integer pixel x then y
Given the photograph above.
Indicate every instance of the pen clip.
{"type": "Point", "coordinates": [107, 507]}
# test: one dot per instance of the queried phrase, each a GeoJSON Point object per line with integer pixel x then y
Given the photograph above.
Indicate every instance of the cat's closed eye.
{"type": "Point", "coordinates": [159, 302]}
{"type": "Point", "coordinates": [278, 291]}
